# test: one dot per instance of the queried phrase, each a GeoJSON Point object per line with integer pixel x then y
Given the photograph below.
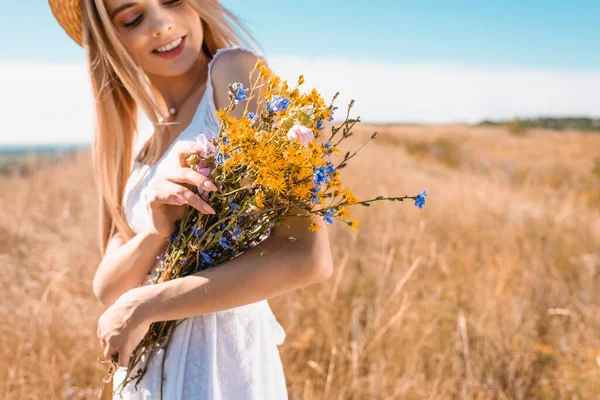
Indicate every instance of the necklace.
{"type": "Point", "coordinates": [173, 110]}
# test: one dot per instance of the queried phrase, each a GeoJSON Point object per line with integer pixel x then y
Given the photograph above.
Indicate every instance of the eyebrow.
{"type": "Point", "coordinates": [121, 8]}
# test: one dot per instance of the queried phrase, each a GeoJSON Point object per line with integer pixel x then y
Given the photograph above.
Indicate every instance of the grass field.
{"type": "Point", "coordinates": [489, 292]}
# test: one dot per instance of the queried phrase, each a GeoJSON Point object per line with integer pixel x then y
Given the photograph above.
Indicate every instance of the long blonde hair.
{"type": "Point", "coordinates": [119, 87]}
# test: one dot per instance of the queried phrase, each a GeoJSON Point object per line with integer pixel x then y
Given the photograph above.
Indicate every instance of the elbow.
{"type": "Point", "coordinates": [100, 291]}
{"type": "Point", "coordinates": [319, 267]}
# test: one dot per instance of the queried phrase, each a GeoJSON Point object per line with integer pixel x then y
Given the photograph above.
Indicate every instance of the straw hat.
{"type": "Point", "coordinates": [68, 15]}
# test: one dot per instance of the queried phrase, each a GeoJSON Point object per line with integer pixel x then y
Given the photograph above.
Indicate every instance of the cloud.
{"type": "Point", "coordinates": [52, 103]}
{"type": "Point", "coordinates": [446, 93]}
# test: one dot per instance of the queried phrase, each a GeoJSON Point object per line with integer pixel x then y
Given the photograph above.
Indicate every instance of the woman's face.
{"type": "Point", "coordinates": [164, 37]}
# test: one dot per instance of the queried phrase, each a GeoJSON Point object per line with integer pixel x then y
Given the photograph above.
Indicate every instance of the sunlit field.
{"type": "Point", "coordinates": [490, 292]}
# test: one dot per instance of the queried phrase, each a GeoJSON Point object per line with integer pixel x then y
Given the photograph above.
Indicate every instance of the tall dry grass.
{"type": "Point", "coordinates": [490, 292]}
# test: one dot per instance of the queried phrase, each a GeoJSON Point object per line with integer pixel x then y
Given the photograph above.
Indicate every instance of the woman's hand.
{"type": "Point", "coordinates": [169, 193]}
{"type": "Point", "coordinates": [121, 328]}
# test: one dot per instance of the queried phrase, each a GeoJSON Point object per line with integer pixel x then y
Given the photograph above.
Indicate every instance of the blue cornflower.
{"type": "Point", "coordinates": [205, 257]}
{"type": "Point", "coordinates": [197, 231]}
{"type": "Point", "coordinates": [225, 139]}
{"type": "Point", "coordinates": [239, 94]}
{"type": "Point", "coordinates": [320, 125]}
{"type": "Point", "coordinates": [320, 175]}
{"type": "Point", "coordinates": [236, 233]}
{"type": "Point", "coordinates": [315, 196]}
{"type": "Point", "coordinates": [328, 216]}
{"type": "Point", "coordinates": [220, 158]}
{"type": "Point", "coordinates": [224, 242]}
{"type": "Point", "coordinates": [330, 169]}
{"type": "Point", "coordinates": [420, 201]}
{"type": "Point", "coordinates": [253, 117]}
{"type": "Point", "coordinates": [174, 235]}
{"type": "Point", "coordinates": [279, 103]}
{"type": "Point", "coordinates": [330, 118]}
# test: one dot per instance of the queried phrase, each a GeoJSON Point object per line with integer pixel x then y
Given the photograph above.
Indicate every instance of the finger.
{"type": "Point", "coordinates": [124, 356]}
{"type": "Point", "coordinates": [168, 192]}
{"type": "Point", "coordinates": [109, 351]}
{"type": "Point", "coordinates": [186, 175]}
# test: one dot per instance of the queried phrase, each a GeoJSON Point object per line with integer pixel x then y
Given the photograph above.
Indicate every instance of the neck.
{"type": "Point", "coordinates": [173, 91]}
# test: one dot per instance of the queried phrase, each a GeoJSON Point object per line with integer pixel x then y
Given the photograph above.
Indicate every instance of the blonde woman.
{"type": "Point", "coordinates": [173, 60]}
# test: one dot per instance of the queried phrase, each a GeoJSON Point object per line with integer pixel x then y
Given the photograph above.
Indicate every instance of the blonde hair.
{"type": "Point", "coordinates": [119, 87]}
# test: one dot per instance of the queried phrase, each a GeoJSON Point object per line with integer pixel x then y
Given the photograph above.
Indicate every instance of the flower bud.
{"type": "Point", "coordinates": [286, 123]}
{"type": "Point", "coordinates": [193, 160]}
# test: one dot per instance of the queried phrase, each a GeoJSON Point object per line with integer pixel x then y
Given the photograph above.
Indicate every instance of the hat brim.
{"type": "Point", "coordinates": [68, 14]}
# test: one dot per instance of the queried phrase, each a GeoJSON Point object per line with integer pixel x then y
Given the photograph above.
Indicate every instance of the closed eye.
{"type": "Point", "coordinates": [134, 22]}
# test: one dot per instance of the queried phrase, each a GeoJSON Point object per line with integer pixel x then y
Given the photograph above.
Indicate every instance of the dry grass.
{"type": "Point", "coordinates": [490, 292]}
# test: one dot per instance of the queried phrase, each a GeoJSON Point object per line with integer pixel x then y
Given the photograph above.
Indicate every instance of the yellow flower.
{"type": "Point", "coordinates": [259, 198]}
{"type": "Point", "coordinates": [355, 226]}
{"type": "Point", "coordinates": [343, 212]}
{"type": "Point", "coordinates": [349, 196]}
{"type": "Point", "coordinates": [314, 226]}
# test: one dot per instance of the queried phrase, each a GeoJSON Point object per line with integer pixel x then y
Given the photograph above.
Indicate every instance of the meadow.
{"type": "Point", "coordinates": [489, 292]}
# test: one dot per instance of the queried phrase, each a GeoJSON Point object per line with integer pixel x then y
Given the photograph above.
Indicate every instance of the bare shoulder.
{"type": "Point", "coordinates": [231, 66]}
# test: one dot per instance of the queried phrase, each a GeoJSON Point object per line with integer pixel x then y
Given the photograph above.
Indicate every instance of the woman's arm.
{"type": "Point", "coordinates": [126, 264]}
{"type": "Point", "coordinates": [285, 266]}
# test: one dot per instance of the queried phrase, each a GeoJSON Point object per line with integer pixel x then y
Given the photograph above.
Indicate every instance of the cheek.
{"type": "Point", "coordinates": [135, 47]}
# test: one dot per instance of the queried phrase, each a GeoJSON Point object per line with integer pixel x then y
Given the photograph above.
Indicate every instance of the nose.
{"type": "Point", "coordinates": [161, 24]}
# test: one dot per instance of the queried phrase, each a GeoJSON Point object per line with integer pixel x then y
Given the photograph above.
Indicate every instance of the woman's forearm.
{"type": "Point", "coordinates": [249, 278]}
{"type": "Point", "coordinates": [126, 267]}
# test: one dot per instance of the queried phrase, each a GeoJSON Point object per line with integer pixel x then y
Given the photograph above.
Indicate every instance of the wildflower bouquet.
{"type": "Point", "coordinates": [267, 166]}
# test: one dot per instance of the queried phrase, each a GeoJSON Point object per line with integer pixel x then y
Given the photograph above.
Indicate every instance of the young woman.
{"type": "Point", "coordinates": [174, 60]}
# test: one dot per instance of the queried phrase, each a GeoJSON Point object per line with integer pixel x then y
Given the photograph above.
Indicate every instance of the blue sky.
{"type": "Point", "coordinates": [549, 34]}
{"type": "Point", "coordinates": [434, 62]}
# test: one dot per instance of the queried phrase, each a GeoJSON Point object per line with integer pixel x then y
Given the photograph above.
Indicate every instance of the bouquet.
{"type": "Point", "coordinates": [267, 165]}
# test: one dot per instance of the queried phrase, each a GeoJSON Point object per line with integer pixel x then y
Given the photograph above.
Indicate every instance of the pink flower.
{"type": "Point", "coordinates": [208, 149]}
{"type": "Point", "coordinates": [204, 170]}
{"type": "Point", "coordinates": [302, 133]}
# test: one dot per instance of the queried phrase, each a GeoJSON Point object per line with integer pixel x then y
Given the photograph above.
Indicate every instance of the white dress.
{"type": "Point", "coordinates": [230, 354]}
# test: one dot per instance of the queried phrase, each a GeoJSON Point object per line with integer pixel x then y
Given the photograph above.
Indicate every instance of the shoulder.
{"type": "Point", "coordinates": [233, 65]}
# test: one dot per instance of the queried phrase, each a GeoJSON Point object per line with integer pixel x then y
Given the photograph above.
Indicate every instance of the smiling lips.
{"type": "Point", "coordinates": [171, 49]}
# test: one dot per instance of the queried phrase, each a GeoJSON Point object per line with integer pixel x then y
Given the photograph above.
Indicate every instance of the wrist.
{"type": "Point", "coordinates": [153, 234]}
{"type": "Point", "coordinates": [140, 300]}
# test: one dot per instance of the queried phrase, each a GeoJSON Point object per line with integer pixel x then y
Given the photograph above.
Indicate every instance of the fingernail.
{"type": "Point", "coordinates": [210, 186]}
{"type": "Point", "coordinates": [208, 209]}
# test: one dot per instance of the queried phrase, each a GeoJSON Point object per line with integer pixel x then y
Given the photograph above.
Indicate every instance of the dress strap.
{"type": "Point", "coordinates": [208, 118]}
